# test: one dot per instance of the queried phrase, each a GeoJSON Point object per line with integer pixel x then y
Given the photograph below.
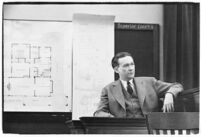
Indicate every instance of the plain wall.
{"type": "Point", "coordinates": [132, 13]}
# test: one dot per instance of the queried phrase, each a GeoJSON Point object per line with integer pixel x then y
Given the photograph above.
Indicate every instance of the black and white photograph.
{"type": "Point", "coordinates": [103, 67]}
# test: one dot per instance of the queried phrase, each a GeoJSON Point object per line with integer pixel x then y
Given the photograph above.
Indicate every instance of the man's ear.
{"type": "Point", "coordinates": [116, 69]}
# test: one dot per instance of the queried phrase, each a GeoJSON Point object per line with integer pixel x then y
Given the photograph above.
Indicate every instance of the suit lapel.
{"type": "Point", "coordinates": [118, 94]}
{"type": "Point", "coordinates": [141, 91]}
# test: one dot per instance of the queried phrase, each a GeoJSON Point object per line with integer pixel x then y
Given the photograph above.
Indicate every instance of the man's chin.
{"type": "Point", "coordinates": [131, 77]}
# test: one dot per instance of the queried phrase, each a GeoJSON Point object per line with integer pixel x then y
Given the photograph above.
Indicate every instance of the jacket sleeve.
{"type": "Point", "coordinates": [163, 87]}
{"type": "Point", "coordinates": [103, 107]}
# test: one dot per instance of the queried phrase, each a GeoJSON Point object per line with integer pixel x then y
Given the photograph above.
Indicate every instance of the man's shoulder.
{"type": "Point", "coordinates": [112, 84]}
{"type": "Point", "coordinates": [145, 78]}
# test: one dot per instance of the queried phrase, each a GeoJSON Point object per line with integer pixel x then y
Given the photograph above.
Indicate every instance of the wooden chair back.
{"type": "Point", "coordinates": [173, 123]}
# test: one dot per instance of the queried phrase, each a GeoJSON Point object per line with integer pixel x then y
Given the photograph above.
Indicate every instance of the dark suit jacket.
{"type": "Point", "coordinates": [149, 90]}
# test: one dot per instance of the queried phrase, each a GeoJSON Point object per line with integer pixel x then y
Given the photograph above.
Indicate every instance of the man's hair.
{"type": "Point", "coordinates": [117, 57]}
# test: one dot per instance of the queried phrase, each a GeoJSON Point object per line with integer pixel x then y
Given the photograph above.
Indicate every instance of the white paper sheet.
{"type": "Point", "coordinates": [93, 49]}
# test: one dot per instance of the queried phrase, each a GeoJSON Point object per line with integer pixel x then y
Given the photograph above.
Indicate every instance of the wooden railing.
{"type": "Point", "coordinates": [188, 101]}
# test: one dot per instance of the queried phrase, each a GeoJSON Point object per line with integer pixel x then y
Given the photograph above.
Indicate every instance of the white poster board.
{"type": "Point", "coordinates": [93, 49]}
{"type": "Point", "coordinates": [37, 66]}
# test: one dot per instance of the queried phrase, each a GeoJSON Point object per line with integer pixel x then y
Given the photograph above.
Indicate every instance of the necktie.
{"type": "Point", "coordinates": [129, 88]}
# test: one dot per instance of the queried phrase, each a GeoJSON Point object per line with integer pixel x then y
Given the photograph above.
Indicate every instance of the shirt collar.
{"type": "Point", "coordinates": [124, 83]}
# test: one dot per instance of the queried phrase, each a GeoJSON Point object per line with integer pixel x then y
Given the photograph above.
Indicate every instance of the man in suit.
{"type": "Point", "coordinates": [133, 97]}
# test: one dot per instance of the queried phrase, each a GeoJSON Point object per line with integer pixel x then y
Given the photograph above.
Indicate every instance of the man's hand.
{"type": "Point", "coordinates": [168, 105]}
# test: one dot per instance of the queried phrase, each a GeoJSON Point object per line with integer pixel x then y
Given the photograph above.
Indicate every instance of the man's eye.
{"type": "Point", "coordinates": [126, 65]}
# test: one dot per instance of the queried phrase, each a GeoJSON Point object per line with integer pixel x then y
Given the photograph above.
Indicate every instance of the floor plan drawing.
{"type": "Point", "coordinates": [37, 66]}
{"type": "Point", "coordinates": [32, 64]}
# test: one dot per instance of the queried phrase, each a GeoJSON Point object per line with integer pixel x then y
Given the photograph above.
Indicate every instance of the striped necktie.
{"type": "Point", "coordinates": [129, 88]}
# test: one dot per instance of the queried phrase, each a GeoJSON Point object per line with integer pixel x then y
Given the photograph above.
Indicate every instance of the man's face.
{"type": "Point", "coordinates": [126, 68]}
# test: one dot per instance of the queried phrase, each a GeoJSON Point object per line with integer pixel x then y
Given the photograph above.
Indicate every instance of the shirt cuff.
{"type": "Point", "coordinates": [172, 94]}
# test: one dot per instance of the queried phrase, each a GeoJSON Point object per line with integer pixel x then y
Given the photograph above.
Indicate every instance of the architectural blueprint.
{"type": "Point", "coordinates": [37, 66]}
{"type": "Point", "coordinates": [33, 64]}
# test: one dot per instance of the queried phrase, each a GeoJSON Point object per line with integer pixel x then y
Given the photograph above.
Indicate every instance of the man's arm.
{"type": "Point", "coordinates": [168, 104]}
{"type": "Point", "coordinates": [169, 91]}
{"type": "Point", "coordinates": [103, 107]}
{"type": "Point", "coordinates": [164, 87]}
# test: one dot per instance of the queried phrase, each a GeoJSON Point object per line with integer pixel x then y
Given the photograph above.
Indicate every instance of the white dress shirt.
{"type": "Point", "coordinates": [124, 83]}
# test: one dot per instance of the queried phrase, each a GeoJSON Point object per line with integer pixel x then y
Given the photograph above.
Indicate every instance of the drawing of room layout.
{"type": "Point", "coordinates": [30, 72]}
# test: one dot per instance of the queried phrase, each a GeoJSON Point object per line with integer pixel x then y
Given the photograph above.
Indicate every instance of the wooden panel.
{"type": "Point", "coordinates": [75, 126]}
{"type": "Point", "coordinates": [35, 128]}
{"type": "Point", "coordinates": [36, 122]}
{"type": "Point", "coordinates": [102, 125]}
{"type": "Point", "coordinates": [116, 130]}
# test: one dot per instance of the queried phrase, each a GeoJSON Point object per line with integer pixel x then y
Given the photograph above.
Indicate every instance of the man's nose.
{"type": "Point", "coordinates": [131, 67]}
